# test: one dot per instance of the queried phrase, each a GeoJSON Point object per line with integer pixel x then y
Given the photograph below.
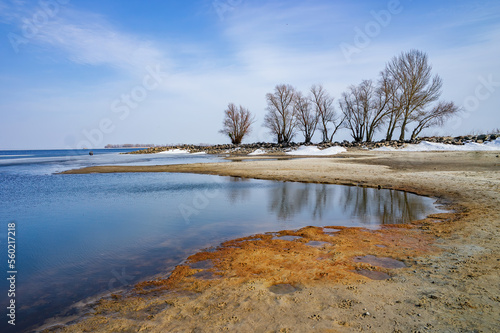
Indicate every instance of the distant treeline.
{"type": "Point", "coordinates": [129, 145]}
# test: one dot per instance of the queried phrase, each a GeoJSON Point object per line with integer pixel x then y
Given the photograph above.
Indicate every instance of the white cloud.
{"type": "Point", "coordinates": [282, 23]}
{"type": "Point", "coordinates": [96, 43]}
{"type": "Point", "coordinates": [86, 38]}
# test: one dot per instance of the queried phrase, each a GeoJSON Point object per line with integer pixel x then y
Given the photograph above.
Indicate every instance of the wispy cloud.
{"type": "Point", "coordinates": [96, 43]}
{"type": "Point", "coordinates": [282, 23]}
{"type": "Point", "coordinates": [87, 38]}
{"type": "Point", "coordinates": [470, 13]}
{"type": "Point", "coordinates": [297, 43]}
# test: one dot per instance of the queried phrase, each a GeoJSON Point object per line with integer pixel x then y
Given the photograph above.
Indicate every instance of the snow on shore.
{"type": "Point", "coordinates": [174, 151]}
{"type": "Point", "coordinates": [315, 151]}
{"type": "Point", "coordinates": [258, 152]}
{"type": "Point", "coordinates": [432, 146]}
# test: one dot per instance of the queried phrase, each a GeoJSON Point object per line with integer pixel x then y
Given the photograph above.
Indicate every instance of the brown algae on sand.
{"type": "Point", "coordinates": [282, 267]}
{"type": "Point", "coordinates": [276, 261]}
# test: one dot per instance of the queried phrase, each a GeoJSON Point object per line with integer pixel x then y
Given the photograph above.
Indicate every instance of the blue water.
{"type": "Point", "coordinates": [53, 161]}
{"type": "Point", "coordinates": [84, 235]}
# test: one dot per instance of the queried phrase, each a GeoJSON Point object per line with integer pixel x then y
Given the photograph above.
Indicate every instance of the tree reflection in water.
{"type": "Point", "coordinates": [365, 205]}
{"type": "Point", "coordinates": [287, 200]}
{"type": "Point", "coordinates": [335, 204]}
{"type": "Point", "coordinates": [373, 206]}
{"type": "Point", "coordinates": [238, 193]}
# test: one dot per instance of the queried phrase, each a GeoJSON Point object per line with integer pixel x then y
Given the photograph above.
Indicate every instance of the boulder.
{"type": "Point", "coordinates": [482, 137]}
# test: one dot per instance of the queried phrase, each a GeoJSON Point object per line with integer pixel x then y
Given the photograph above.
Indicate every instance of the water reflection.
{"type": "Point", "coordinates": [238, 192]}
{"type": "Point", "coordinates": [285, 201]}
{"type": "Point", "coordinates": [385, 207]}
{"type": "Point", "coordinates": [319, 201]}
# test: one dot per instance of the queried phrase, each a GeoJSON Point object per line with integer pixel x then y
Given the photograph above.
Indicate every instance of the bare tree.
{"type": "Point", "coordinates": [237, 122]}
{"type": "Point", "coordinates": [435, 116]}
{"type": "Point", "coordinates": [364, 109]}
{"type": "Point", "coordinates": [416, 87]}
{"type": "Point", "coordinates": [323, 104]}
{"type": "Point", "coordinates": [307, 120]}
{"type": "Point", "coordinates": [354, 112]}
{"type": "Point", "coordinates": [389, 88]}
{"type": "Point", "coordinates": [393, 119]}
{"type": "Point", "coordinates": [280, 118]}
{"type": "Point", "coordinates": [382, 106]}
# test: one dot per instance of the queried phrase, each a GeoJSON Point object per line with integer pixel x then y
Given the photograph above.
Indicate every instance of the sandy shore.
{"type": "Point", "coordinates": [450, 282]}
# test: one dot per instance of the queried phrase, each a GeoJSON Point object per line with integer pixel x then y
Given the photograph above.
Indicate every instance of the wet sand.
{"type": "Point", "coordinates": [446, 277]}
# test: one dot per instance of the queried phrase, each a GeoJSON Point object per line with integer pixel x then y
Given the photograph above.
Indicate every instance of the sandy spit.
{"type": "Point", "coordinates": [450, 282]}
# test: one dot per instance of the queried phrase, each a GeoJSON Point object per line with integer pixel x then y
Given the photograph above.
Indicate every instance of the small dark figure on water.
{"type": "Point", "coordinates": [91, 153]}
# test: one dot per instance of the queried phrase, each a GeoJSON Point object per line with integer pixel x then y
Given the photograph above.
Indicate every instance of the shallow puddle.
{"type": "Point", "coordinates": [317, 244]}
{"type": "Point", "coordinates": [374, 275]}
{"type": "Point", "coordinates": [331, 231]}
{"type": "Point", "coordinates": [204, 264]}
{"type": "Point", "coordinates": [287, 238]}
{"type": "Point", "coordinates": [283, 288]}
{"type": "Point", "coordinates": [206, 275]}
{"type": "Point", "coordinates": [380, 262]}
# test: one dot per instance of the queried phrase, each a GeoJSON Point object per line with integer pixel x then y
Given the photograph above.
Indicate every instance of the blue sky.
{"type": "Point", "coordinates": [87, 73]}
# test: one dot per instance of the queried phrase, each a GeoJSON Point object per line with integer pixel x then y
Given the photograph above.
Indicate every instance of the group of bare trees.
{"type": "Point", "coordinates": [405, 94]}
{"type": "Point", "coordinates": [288, 110]}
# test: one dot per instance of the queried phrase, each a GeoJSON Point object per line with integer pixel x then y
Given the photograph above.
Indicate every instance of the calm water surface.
{"type": "Point", "coordinates": [84, 235]}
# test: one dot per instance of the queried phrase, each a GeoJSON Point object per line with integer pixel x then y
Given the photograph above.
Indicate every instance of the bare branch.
{"type": "Point", "coordinates": [433, 117]}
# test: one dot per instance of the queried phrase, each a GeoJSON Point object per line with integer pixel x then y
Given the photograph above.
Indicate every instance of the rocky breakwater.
{"type": "Point", "coordinates": [280, 149]}
{"type": "Point", "coordinates": [242, 149]}
{"type": "Point", "coordinates": [458, 140]}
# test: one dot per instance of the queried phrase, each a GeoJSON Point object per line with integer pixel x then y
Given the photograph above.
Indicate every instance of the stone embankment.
{"type": "Point", "coordinates": [274, 148]}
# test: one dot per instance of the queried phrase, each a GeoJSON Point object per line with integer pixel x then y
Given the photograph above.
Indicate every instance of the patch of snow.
{"type": "Point", "coordinates": [432, 146]}
{"type": "Point", "coordinates": [258, 152]}
{"type": "Point", "coordinates": [174, 151]}
{"type": "Point", "coordinates": [315, 151]}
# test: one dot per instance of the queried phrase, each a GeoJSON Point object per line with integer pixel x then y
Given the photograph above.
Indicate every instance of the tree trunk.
{"type": "Point", "coordinates": [403, 128]}
{"type": "Point", "coordinates": [390, 130]}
